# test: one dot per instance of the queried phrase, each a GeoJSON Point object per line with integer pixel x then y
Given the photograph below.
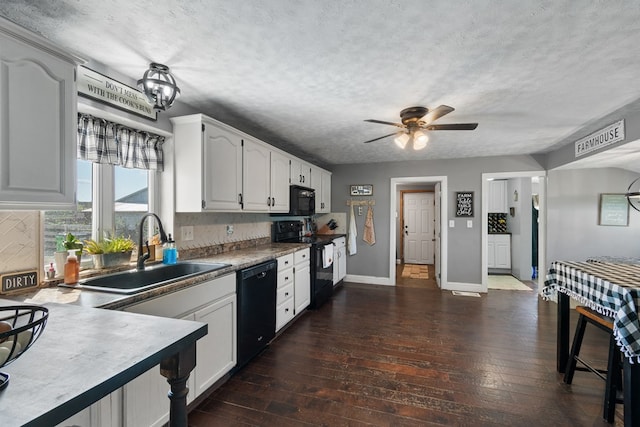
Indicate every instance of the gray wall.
{"type": "Point", "coordinates": [573, 233]}
{"type": "Point", "coordinates": [464, 250]}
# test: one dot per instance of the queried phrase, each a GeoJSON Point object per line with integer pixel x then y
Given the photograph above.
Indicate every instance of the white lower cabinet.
{"type": "Point", "coordinates": [293, 293]}
{"type": "Point", "coordinates": [499, 251]}
{"type": "Point", "coordinates": [104, 413]}
{"type": "Point", "coordinates": [284, 291]}
{"type": "Point", "coordinates": [144, 400]}
{"type": "Point", "coordinates": [339, 259]}
{"type": "Point", "coordinates": [302, 280]}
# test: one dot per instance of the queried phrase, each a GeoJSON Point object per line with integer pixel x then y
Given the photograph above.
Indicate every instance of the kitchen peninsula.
{"type": "Point", "coordinates": [86, 353]}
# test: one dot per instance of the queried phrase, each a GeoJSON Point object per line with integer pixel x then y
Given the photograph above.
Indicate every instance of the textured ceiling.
{"type": "Point", "coordinates": [303, 75]}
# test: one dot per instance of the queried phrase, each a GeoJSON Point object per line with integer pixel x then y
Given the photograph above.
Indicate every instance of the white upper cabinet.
{"type": "Point", "coordinates": [300, 173]}
{"type": "Point", "coordinates": [208, 162]}
{"type": "Point", "coordinates": [498, 196]}
{"type": "Point", "coordinates": [279, 182]}
{"type": "Point", "coordinates": [38, 122]}
{"type": "Point", "coordinates": [321, 182]}
{"type": "Point", "coordinates": [256, 176]}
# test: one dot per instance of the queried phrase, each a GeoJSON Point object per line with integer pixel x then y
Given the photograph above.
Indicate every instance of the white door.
{"type": "Point", "coordinates": [437, 217]}
{"type": "Point", "coordinates": [419, 228]}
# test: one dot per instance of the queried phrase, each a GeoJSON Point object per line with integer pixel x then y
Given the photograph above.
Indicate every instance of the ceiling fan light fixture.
{"type": "Point", "coordinates": [420, 140]}
{"type": "Point", "coordinates": [401, 140]}
{"type": "Point", "coordinates": [159, 86]}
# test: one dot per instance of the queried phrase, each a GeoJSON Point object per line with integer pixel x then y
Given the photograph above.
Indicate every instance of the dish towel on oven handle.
{"type": "Point", "coordinates": [353, 234]}
{"type": "Point", "coordinates": [369, 234]}
{"type": "Point", "coordinates": [327, 255]}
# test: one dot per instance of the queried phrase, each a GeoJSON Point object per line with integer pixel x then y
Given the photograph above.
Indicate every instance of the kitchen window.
{"type": "Point", "coordinates": [117, 168]}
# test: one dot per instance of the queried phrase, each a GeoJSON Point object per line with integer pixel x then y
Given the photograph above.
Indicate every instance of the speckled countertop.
{"type": "Point", "coordinates": [238, 260]}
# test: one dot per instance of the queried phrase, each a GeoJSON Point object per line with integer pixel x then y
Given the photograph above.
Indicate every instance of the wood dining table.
{"type": "Point", "coordinates": [613, 289]}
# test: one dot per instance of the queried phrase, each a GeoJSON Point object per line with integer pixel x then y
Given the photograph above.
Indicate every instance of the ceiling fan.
{"type": "Point", "coordinates": [416, 120]}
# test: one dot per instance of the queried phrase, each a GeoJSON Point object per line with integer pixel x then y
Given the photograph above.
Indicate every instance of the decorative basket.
{"type": "Point", "coordinates": [27, 323]}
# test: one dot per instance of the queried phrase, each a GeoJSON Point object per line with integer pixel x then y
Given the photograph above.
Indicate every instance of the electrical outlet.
{"type": "Point", "coordinates": [229, 230]}
{"type": "Point", "coordinates": [187, 232]}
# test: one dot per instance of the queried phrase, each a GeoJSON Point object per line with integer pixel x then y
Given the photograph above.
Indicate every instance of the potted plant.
{"type": "Point", "coordinates": [110, 251]}
{"type": "Point", "coordinates": [72, 242]}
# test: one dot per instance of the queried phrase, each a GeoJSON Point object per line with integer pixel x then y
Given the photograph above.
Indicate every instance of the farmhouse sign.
{"type": "Point", "coordinates": [464, 203]}
{"type": "Point", "coordinates": [101, 88]}
{"type": "Point", "coordinates": [602, 138]}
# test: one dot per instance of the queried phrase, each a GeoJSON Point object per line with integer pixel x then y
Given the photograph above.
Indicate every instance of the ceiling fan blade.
{"type": "Point", "coordinates": [400, 125]}
{"type": "Point", "coordinates": [386, 136]}
{"type": "Point", "coordinates": [436, 113]}
{"type": "Point", "coordinates": [453, 126]}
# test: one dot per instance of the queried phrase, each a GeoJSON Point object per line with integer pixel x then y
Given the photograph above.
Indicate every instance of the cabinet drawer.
{"type": "Point", "coordinates": [301, 256]}
{"type": "Point", "coordinates": [284, 293]}
{"type": "Point", "coordinates": [340, 242]}
{"type": "Point", "coordinates": [285, 261]}
{"type": "Point", "coordinates": [284, 313]}
{"type": "Point", "coordinates": [285, 277]}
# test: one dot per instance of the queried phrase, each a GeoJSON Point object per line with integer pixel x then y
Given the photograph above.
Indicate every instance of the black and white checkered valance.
{"type": "Point", "coordinates": [102, 141]}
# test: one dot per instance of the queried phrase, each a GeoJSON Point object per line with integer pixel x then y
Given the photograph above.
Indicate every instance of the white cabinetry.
{"type": "Point", "coordinates": [104, 413]}
{"type": "Point", "coordinates": [294, 286]}
{"type": "Point", "coordinates": [212, 302]}
{"type": "Point", "coordinates": [499, 251]}
{"type": "Point", "coordinates": [265, 178]}
{"type": "Point", "coordinates": [321, 182]}
{"type": "Point", "coordinates": [218, 168]}
{"type": "Point", "coordinates": [302, 280]}
{"type": "Point", "coordinates": [38, 122]}
{"type": "Point", "coordinates": [284, 292]}
{"type": "Point", "coordinates": [300, 173]}
{"type": "Point", "coordinates": [208, 165]}
{"type": "Point", "coordinates": [498, 196]}
{"type": "Point", "coordinates": [339, 259]}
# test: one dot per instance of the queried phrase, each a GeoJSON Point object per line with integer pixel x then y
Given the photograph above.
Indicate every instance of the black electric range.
{"type": "Point", "coordinates": [321, 272]}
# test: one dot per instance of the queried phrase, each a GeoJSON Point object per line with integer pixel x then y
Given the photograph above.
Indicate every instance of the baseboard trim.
{"type": "Point", "coordinates": [459, 286]}
{"type": "Point", "coordinates": [369, 280]}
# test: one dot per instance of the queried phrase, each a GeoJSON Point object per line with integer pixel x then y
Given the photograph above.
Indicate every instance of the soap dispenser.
{"type": "Point", "coordinates": [169, 252]}
{"type": "Point", "coordinates": [71, 268]}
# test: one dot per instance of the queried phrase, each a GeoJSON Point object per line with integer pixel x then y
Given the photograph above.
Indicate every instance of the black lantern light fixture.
{"type": "Point", "coordinates": [633, 194]}
{"type": "Point", "coordinates": [159, 86]}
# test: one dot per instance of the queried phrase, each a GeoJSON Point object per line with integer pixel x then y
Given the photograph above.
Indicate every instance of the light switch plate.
{"type": "Point", "coordinates": [187, 232]}
{"type": "Point", "coordinates": [469, 223]}
{"type": "Point", "coordinates": [452, 223]}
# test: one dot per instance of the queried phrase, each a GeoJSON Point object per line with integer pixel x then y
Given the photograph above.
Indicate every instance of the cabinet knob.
{"type": "Point", "coordinates": [286, 310]}
{"type": "Point", "coordinates": [286, 278]}
{"type": "Point", "coordinates": [286, 294]}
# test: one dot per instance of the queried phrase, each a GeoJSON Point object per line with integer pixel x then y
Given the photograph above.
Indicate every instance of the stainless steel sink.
{"type": "Point", "coordinates": [133, 281]}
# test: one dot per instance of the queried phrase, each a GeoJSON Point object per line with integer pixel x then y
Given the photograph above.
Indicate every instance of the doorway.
{"type": "Point", "coordinates": [417, 226]}
{"type": "Point", "coordinates": [519, 201]}
{"type": "Point", "coordinates": [436, 186]}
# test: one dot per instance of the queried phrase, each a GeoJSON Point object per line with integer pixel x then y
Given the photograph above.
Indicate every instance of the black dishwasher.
{"type": "Point", "coordinates": [256, 292]}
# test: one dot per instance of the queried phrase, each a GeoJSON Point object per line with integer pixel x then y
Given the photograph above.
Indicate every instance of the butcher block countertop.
{"type": "Point", "coordinates": [238, 260]}
{"type": "Point", "coordinates": [83, 355]}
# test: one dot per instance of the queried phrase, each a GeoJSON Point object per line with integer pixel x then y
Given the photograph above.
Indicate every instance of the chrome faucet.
{"type": "Point", "coordinates": [142, 257]}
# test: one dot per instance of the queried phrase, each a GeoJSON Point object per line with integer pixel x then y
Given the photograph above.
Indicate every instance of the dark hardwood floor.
{"type": "Point", "coordinates": [407, 356]}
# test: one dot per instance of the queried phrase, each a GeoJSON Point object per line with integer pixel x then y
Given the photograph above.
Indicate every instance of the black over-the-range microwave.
{"type": "Point", "coordinates": [302, 201]}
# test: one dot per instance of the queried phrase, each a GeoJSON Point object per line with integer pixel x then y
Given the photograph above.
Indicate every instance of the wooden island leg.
{"type": "Point", "coordinates": [177, 369]}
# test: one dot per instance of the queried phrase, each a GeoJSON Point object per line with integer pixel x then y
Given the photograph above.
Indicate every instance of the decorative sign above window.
{"type": "Point", "coordinates": [464, 203]}
{"type": "Point", "coordinates": [600, 139]}
{"type": "Point", "coordinates": [101, 88]}
{"type": "Point", "coordinates": [362, 190]}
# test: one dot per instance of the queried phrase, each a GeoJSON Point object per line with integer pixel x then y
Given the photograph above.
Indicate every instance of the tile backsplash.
{"type": "Point", "coordinates": [19, 241]}
{"type": "Point", "coordinates": [210, 229]}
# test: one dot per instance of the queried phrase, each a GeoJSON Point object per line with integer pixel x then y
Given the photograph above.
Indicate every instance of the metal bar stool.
{"type": "Point", "coordinates": [613, 375]}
